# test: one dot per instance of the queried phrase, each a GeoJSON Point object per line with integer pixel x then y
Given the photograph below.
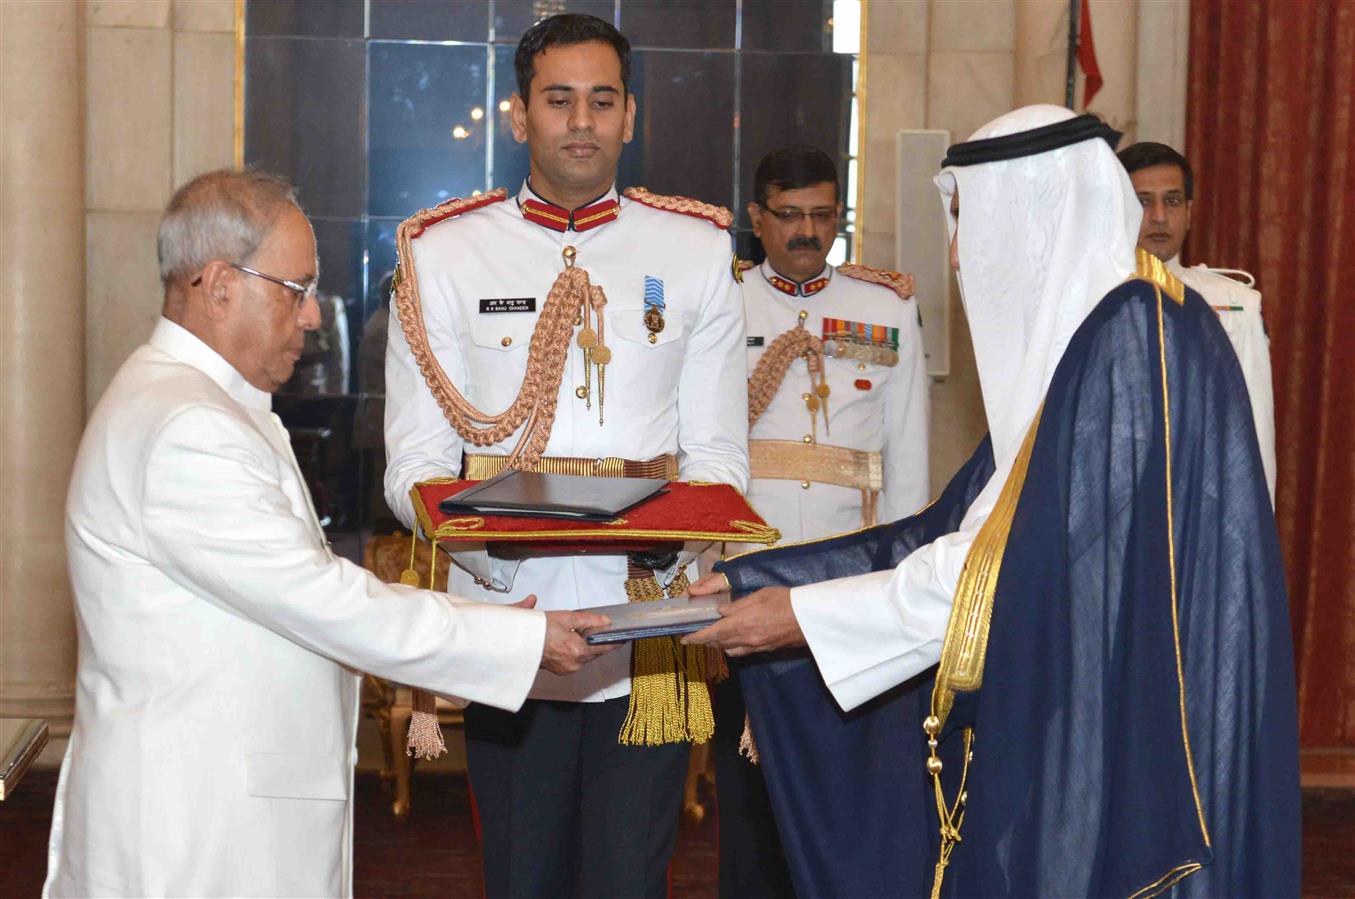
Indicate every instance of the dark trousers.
{"type": "Point", "coordinates": [752, 863]}
{"type": "Point", "coordinates": [565, 809]}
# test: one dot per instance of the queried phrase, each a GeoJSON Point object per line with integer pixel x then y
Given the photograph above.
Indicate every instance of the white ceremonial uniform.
{"type": "Point", "coordinates": [217, 704]}
{"type": "Point", "coordinates": [1239, 309]}
{"type": "Point", "coordinates": [683, 393]}
{"type": "Point", "coordinates": [871, 406]}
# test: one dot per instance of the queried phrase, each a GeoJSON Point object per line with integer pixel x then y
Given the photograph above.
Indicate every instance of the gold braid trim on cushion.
{"type": "Point", "coordinates": [898, 282]}
{"type": "Point", "coordinates": [718, 216]}
{"type": "Point", "coordinates": [571, 297]}
{"type": "Point", "coordinates": [771, 369]}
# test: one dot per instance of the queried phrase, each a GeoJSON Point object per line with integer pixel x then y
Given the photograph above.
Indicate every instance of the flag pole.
{"type": "Point", "coordinates": [1070, 89]}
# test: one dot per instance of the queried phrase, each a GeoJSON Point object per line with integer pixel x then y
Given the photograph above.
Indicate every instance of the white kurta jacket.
{"type": "Point", "coordinates": [216, 704]}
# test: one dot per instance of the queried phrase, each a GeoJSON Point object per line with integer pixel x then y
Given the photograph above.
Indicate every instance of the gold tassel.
{"type": "Point", "coordinates": [717, 666]}
{"type": "Point", "coordinates": [669, 700]}
{"type": "Point", "coordinates": [425, 735]}
{"type": "Point", "coordinates": [410, 577]}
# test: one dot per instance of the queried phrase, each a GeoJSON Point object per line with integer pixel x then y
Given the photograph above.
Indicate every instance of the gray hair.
{"type": "Point", "coordinates": [224, 215]}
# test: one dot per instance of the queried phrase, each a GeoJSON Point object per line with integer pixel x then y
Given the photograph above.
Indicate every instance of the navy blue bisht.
{"type": "Point", "coordinates": [1133, 721]}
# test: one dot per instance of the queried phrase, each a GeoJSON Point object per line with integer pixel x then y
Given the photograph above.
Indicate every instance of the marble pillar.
{"type": "Point", "coordinates": [42, 374]}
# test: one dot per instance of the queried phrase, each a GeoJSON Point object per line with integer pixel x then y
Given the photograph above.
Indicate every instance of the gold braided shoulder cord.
{"type": "Point", "coordinates": [716, 215]}
{"type": "Point", "coordinates": [771, 370]}
{"type": "Point", "coordinates": [534, 406]}
{"type": "Point", "coordinates": [898, 282]}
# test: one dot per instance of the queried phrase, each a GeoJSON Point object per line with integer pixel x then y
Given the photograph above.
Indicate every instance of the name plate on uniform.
{"type": "Point", "coordinates": [507, 304]}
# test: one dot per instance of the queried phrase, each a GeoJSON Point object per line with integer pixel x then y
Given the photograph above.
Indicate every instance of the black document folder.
{"type": "Point", "coordinates": [660, 618]}
{"type": "Point", "coordinates": [528, 494]}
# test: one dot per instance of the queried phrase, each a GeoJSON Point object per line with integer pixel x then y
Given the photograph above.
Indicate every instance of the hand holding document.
{"type": "Point", "coordinates": [760, 622]}
{"type": "Point", "coordinates": [660, 618]}
{"type": "Point", "coordinates": [565, 650]}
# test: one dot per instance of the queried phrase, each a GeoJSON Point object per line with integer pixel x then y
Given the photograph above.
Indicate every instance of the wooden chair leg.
{"type": "Point", "coordinates": [696, 769]}
{"type": "Point", "coordinates": [396, 736]}
{"type": "Point", "coordinates": [383, 723]}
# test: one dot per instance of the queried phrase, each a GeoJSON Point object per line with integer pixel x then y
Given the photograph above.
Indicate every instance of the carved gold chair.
{"type": "Point", "coordinates": [392, 704]}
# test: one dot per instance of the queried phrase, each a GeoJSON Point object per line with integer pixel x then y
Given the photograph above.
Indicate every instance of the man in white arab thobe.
{"type": "Point", "coordinates": [217, 699]}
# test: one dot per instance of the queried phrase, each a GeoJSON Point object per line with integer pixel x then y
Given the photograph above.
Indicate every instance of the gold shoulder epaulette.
{"type": "Point", "coordinates": [424, 219]}
{"type": "Point", "coordinates": [898, 282]}
{"type": "Point", "coordinates": [718, 216]}
{"type": "Point", "coordinates": [1151, 269]}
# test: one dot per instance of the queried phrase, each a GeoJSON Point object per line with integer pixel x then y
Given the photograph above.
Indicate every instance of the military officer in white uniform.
{"type": "Point", "coordinates": [857, 382]}
{"type": "Point", "coordinates": [1165, 185]}
{"type": "Point", "coordinates": [873, 366]}
{"type": "Point", "coordinates": [647, 378]}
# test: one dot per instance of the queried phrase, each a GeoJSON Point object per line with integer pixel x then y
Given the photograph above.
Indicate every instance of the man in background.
{"type": "Point", "coordinates": [853, 397]}
{"type": "Point", "coordinates": [216, 701]}
{"type": "Point", "coordinates": [1165, 185]}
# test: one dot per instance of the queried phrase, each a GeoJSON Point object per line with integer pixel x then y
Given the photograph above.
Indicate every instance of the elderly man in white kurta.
{"type": "Point", "coordinates": [1165, 185]}
{"type": "Point", "coordinates": [217, 699]}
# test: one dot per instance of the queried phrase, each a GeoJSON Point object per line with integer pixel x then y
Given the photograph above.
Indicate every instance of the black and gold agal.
{"type": "Point", "coordinates": [1029, 143]}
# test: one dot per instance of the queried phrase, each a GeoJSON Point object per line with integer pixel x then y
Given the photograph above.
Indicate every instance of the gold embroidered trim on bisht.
{"type": "Point", "coordinates": [1151, 269]}
{"type": "Point", "coordinates": [1171, 560]}
{"type": "Point", "coordinates": [898, 282]}
{"type": "Point", "coordinates": [966, 644]}
{"type": "Point", "coordinates": [718, 216]}
{"type": "Point", "coordinates": [1166, 881]}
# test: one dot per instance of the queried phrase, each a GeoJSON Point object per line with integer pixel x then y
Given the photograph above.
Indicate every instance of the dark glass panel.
{"type": "Point", "coordinates": [322, 435]}
{"type": "Point", "coordinates": [425, 143]}
{"type": "Point", "coordinates": [787, 25]}
{"type": "Point", "coordinates": [691, 24]}
{"type": "Point", "coordinates": [304, 103]}
{"type": "Point", "coordinates": [789, 99]}
{"type": "Point", "coordinates": [326, 364]}
{"type": "Point", "coordinates": [430, 20]}
{"type": "Point", "coordinates": [304, 18]}
{"type": "Point", "coordinates": [511, 159]}
{"type": "Point", "coordinates": [513, 17]}
{"type": "Point", "coordinates": [684, 129]}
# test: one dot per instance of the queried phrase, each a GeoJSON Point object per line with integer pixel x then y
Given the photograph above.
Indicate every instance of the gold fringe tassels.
{"type": "Point", "coordinates": [425, 734]}
{"type": "Point", "coordinates": [669, 699]}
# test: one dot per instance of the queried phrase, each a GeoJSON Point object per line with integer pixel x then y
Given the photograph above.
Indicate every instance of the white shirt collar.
{"type": "Point", "coordinates": [186, 347]}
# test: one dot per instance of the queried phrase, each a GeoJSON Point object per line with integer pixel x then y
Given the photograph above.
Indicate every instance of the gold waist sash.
{"type": "Point", "coordinates": [479, 467]}
{"type": "Point", "coordinates": [793, 460]}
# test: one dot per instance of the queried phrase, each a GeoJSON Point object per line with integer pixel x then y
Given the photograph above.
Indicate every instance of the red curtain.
{"type": "Point", "coordinates": [1271, 136]}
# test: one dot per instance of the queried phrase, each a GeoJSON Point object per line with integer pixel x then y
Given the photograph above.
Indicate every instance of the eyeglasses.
{"type": "Point", "coordinates": [303, 292]}
{"type": "Point", "coordinates": [793, 216]}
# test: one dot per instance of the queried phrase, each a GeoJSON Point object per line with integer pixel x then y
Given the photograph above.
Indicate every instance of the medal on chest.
{"type": "Point", "coordinates": [654, 307]}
